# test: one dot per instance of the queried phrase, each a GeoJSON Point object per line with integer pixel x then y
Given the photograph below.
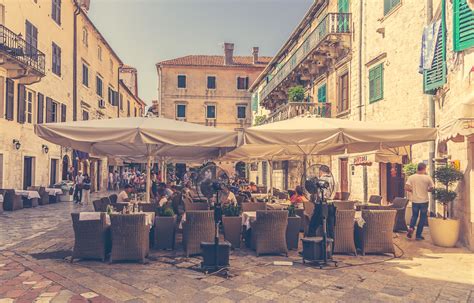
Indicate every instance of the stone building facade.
{"type": "Point", "coordinates": [55, 55]}
{"type": "Point", "coordinates": [209, 90]}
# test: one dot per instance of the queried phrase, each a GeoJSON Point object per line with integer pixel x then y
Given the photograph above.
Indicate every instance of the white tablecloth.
{"type": "Point", "coordinates": [53, 191]}
{"type": "Point", "coordinates": [247, 217]}
{"type": "Point", "coordinates": [90, 216]}
{"type": "Point", "coordinates": [358, 219]}
{"type": "Point", "coordinates": [31, 194]}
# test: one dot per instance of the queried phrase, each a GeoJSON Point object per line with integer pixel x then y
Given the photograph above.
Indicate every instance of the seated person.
{"type": "Point", "coordinates": [298, 197]}
{"type": "Point", "coordinates": [164, 191]}
{"type": "Point", "coordinates": [252, 187]}
{"type": "Point", "coordinates": [189, 190]}
{"type": "Point", "coordinates": [123, 195]}
{"type": "Point", "coordinates": [226, 196]}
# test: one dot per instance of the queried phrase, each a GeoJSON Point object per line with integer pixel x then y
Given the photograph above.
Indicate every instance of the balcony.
{"type": "Point", "coordinates": [21, 59]}
{"type": "Point", "coordinates": [323, 47]}
{"type": "Point", "coordinates": [294, 109]}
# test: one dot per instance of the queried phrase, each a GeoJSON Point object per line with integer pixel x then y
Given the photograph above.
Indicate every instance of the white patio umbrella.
{"type": "Point", "coordinates": [139, 138]}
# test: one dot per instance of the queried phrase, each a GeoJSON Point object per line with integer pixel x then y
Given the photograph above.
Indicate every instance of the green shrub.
{"type": "Point", "coordinates": [231, 210]}
{"type": "Point", "coordinates": [259, 120]}
{"type": "Point", "coordinates": [448, 176]}
{"type": "Point", "coordinates": [165, 211]}
{"type": "Point", "coordinates": [296, 94]}
{"type": "Point", "coordinates": [410, 169]}
{"type": "Point", "coordinates": [291, 211]}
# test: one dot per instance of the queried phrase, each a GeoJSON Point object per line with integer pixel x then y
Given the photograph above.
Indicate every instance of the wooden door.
{"type": "Point", "coordinates": [54, 172]}
{"type": "Point", "coordinates": [27, 172]}
{"type": "Point", "coordinates": [344, 173]}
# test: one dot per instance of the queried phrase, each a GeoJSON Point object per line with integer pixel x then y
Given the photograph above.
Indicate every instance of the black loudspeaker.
{"type": "Point", "coordinates": [208, 250]}
{"type": "Point", "coordinates": [313, 249]}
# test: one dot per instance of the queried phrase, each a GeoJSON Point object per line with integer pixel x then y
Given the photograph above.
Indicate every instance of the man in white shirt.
{"type": "Point", "coordinates": [419, 185]}
{"type": "Point", "coordinates": [123, 195]}
{"type": "Point", "coordinates": [78, 187]}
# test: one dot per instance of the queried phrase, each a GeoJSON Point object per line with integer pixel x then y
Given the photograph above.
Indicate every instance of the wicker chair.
{"type": "Point", "coordinates": [300, 213]}
{"type": "Point", "coordinates": [344, 232]}
{"type": "Point", "coordinates": [346, 205]}
{"type": "Point", "coordinates": [308, 212]}
{"type": "Point", "coordinates": [190, 206]}
{"type": "Point", "coordinates": [100, 205]}
{"type": "Point", "coordinates": [113, 198]}
{"type": "Point", "coordinates": [343, 196]}
{"type": "Point", "coordinates": [400, 205]}
{"type": "Point", "coordinates": [241, 199]}
{"type": "Point", "coordinates": [11, 201]}
{"type": "Point", "coordinates": [148, 207]}
{"type": "Point", "coordinates": [253, 206]}
{"type": "Point", "coordinates": [44, 196]}
{"type": "Point", "coordinates": [374, 199]}
{"type": "Point", "coordinates": [377, 234]}
{"type": "Point", "coordinates": [130, 237]}
{"type": "Point", "coordinates": [198, 227]}
{"type": "Point", "coordinates": [269, 232]}
{"type": "Point", "coordinates": [91, 238]}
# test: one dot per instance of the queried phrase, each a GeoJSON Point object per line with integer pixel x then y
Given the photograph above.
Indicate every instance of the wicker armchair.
{"type": "Point", "coordinates": [191, 206]}
{"type": "Point", "coordinates": [400, 205]}
{"type": "Point", "coordinates": [113, 198]}
{"type": "Point", "coordinates": [269, 232]}
{"type": "Point", "coordinates": [343, 196]}
{"type": "Point", "coordinates": [130, 237]}
{"type": "Point", "coordinates": [148, 207]}
{"type": "Point", "coordinates": [241, 199]}
{"type": "Point", "coordinates": [198, 227]}
{"type": "Point", "coordinates": [308, 212]}
{"type": "Point", "coordinates": [377, 234]}
{"type": "Point", "coordinates": [346, 205]}
{"type": "Point", "coordinates": [344, 232]}
{"type": "Point", "coordinates": [11, 201]}
{"type": "Point", "coordinates": [254, 206]}
{"type": "Point", "coordinates": [91, 238]}
{"type": "Point", "coordinates": [100, 205]}
{"type": "Point", "coordinates": [374, 199]}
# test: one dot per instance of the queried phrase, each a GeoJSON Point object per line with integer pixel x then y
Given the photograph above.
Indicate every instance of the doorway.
{"type": "Point", "coordinates": [99, 168]}
{"type": "Point", "coordinates": [64, 174]}
{"type": "Point", "coordinates": [344, 173]}
{"type": "Point", "coordinates": [1, 170]}
{"type": "Point", "coordinates": [53, 176]}
{"type": "Point", "coordinates": [28, 172]}
{"type": "Point", "coordinates": [392, 183]}
{"type": "Point", "coordinates": [241, 170]}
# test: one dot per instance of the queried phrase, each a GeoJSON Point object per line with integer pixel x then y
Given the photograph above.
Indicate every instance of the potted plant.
{"type": "Point", "coordinates": [444, 231]}
{"type": "Point", "coordinates": [409, 169]}
{"type": "Point", "coordinates": [296, 94]}
{"type": "Point", "coordinates": [293, 228]}
{"type": "Point", "coordinates": [165, 228]}
{"type": "Point", "coordinates": [232, 223]}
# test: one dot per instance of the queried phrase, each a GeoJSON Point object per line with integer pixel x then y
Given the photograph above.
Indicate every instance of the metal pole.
{"type": "Point", "coordinates": [431, 112]}
{"type": "Point", "coordinates": [270, 164]}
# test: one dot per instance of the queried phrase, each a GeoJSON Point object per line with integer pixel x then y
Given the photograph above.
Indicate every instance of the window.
{"type": "Point", "coordinates": [463, 22]}
{"type": "Point", "coordinates": [128, 108]}
{"type": "Point", "coordinates": [51, 110]}
{"type": "Point", "coordinates": [21, 108]}
{"type": "Point", "coordinates": [388, 5]}
{"type": "Point", "coordinates": [98, 82]}
{"type": "Point", "coordinates": [376, 83]}
{"type": "Point", "coordinates": [31, 38]}
{"type": "Point", "coordinates": [10, 99]}
{"type": "Point", "coordinates": [56, 60]}
{"type": "Point", "coordinates": [54, 112]}
{"type": "Point", "coordinates": [56, 11]}
{"type": "Point", "coordinates": [99, 53]}
{"type": "Point", "coordinates": [211, 82]}
{"type": "Point", "coordinates": [135, 111]}
{"type": "Point", "coordinates": [180, 110]}
{"type": "Point", "coordinates": [29, 106]}
{"type": "Point", "coordinates": [322, 93]}
{"type": "Point", "coordinates": [85, 75]}
{"type": "Point", "coordinates": [63, 112]}
{"type": "Point", "coordinates": [343, 93]}
{"type": "Point", "coordinates": [110, 96]}
{"type": "Point", "coordinates": [181, 81]}
{"type": "Point", "coordinates": [85, 115]}
{"type": "Point", "coordinates": [121, 101]}
{"type": "Point", "coordinates": [241, 111]}
{"type": "Point", "coordinates": [243, 83]}
{"type": "Point", "coordinates": [210, 111]}
{"type": "Point", "coordinates": [85, 37]}
{"type": "Point", "coordinates": [40, 109]}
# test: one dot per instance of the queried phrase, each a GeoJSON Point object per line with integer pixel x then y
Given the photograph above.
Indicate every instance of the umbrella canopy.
{"type": "Point", "coordinates": [310, 135]}
{"type": "Point", "coordinates": [139, 137]}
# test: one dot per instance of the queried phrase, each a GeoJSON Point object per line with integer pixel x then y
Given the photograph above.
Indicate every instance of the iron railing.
{"type": "Point", "coordinates": [294, 109]}
{"type": "Point", "coordinates": [332, 23]}
{"type": "Point", "coordinates": [16, 47]}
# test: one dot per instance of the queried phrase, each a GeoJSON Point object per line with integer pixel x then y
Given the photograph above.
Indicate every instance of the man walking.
{"type": "Point", "coordinates": [78, 187]}
{"type": "Point", "coordinates": [419, 185]}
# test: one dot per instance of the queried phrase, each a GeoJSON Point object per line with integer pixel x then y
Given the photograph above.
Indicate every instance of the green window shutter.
{"type": "Point", "coordinates": [463, 26]}
{"type": "Point", "coordinates": [322, 93]}
{"type": "Point", "coordinates": [436, 76]}
{"type": "Point", "coordinates": [388, 5]}
{"type": "Point", "coordinates": [376, 83]}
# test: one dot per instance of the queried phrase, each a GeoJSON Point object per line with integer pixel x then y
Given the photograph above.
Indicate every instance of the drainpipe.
{"type": "Point", "coordinates": [431, 113]}
{"type": "Point", "coordinates": [74, 65]}
{"type": "Point", "coordinates": [118, 89]}
{"type": "Point", "coordinates": [361, 19]}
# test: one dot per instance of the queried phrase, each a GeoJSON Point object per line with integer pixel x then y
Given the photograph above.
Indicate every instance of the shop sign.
{"type": "Point", "coordinates": [362, 160]}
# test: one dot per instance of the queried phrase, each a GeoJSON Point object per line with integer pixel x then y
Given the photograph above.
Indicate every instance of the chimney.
{"type": "Point", "coordinates": [228, 53]}
{"type": "Point", "coordinates": [255, 54]}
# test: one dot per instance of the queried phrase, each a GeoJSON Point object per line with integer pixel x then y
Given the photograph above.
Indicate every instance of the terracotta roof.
{"type": "Point", "coordinates": [204, 60]}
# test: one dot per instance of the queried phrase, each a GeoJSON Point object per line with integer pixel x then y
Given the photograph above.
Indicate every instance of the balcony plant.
{"type": "Point", "coordinates": [296, 94]}
{"type": "Point", "coordinates": [293, 228]}
{"type": "Point", "coordinates": [410, 169]}
{"type": "Point", "coordinates": [444, 230]}
{"type": "Point", "coordinates": [232, 223]}
{"type": "Point", "coordinates": [259, 120]}
{"type": "Point", "coordinates": [165, 228]}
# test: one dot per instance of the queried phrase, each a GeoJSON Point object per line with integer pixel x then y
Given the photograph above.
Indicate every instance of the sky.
{"type": "Point", "coordinates": [144, 32]}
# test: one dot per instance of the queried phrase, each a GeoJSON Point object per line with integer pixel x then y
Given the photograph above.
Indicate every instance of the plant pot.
{"type": "Point", "coordinates": [444, 233]}
{"type": "Point", "coordinates": [232, 230]}
{"type": "Point", "coordinates": [165, 229]}
{"type": "Point", "coordinates": [293, 232]}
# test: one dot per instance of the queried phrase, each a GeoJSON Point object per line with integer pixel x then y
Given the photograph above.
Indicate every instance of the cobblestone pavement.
{"type": "Point", "coordinates": [35, 245]}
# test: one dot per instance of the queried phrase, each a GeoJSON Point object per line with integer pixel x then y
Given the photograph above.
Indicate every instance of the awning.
{"type": "Point", "coordinates": [381, 156]}
{"type": "Point", "coordinates": [457, 129]}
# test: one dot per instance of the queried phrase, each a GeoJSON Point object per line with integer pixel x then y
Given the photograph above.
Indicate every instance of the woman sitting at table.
{"type": "Point", "coordinates": [252, 187]}
{"type": "Point", "coordinates": [226, 196]}
{"type": "Point", "coordinates": [298, 197]}
{"type": "Point", "coordinates": [123, 195]}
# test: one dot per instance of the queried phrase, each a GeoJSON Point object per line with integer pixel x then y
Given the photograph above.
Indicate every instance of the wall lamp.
{"type": "Point", "coordinates": [45, 148]}
{"type": "Point", "coordinates": [16, 144]}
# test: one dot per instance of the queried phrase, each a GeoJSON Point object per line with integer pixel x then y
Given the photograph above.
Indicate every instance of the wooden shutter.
{"type": "Point", "coordinates": [376, 83]}
{"type": "Point", "coordinates": [322, 93]}
{"type": "Point", "coordinates": [21, 114]}
{"type": "Point", "coordinates": [10, 99]}
{"type": "Point", "coordinates": [436, 76]}
{"type": "Point", "coordinates": [63, 112]}
{"type": "Point", "coordinates": [49, 110]}
{"type": "Point", "coordinates": [463, 25]}
{"type": "Point", "coordinates": [40, 108]}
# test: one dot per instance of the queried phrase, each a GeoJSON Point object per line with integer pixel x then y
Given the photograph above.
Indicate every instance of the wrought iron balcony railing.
{"type": "Point", "coordinates": [332, 23]}
{"type": "Point", "coordinates": [17, 48]}
{"type": "Point", "coordinates": [294, 109]}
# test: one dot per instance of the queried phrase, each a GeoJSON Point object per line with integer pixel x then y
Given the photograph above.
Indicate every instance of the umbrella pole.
{"type": "Point", "coordinates": [270, 164]}
{"type": "Point", "coordinates": [148, 178]}
{"type": "Point", "coordinates": [305, 167]}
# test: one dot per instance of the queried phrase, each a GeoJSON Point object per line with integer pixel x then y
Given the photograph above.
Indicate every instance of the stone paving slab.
{"type": "Point", "coordinates": [35, 245]}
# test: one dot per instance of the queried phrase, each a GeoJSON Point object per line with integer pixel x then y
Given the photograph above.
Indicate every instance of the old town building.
{"type": "Point", "coordinates": [355, 63]}
{"type": "Point", "coordinates": [209, 90]}
{"type": "Point", "coordinates": [57, 67]}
